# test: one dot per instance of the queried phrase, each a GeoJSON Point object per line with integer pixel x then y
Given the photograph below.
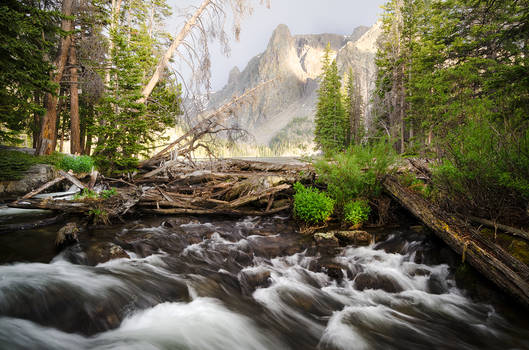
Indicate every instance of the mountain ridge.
{"type": "Point", "coordinates": [296, 61]}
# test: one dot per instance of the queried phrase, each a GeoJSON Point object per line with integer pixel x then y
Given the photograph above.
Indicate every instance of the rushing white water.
{"type": "Point", "coordinates": [250, 284]}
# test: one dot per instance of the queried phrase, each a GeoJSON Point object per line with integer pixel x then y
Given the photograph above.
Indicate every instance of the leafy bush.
{"type": "Point", "coordinates": [356, 173]}
{"type": "Point", "coordinates": [483, 169]}
{"type": "Point", "coordinates": [108, 193]}
{"type": "Point", "coordinates": [356, 212]}
{"type": "Point", "coordinates": [86, 194]}
{"type": "Point", "coordinates": [79, 164]}
{"type": "Point", "coordinates": [311, 205]}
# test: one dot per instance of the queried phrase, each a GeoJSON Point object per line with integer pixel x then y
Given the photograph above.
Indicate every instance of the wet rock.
{"type": "Point", "coordinates": [334, 271]}
{"type": "Point", "coordinates": [355, 237]}
{"type": "Point", "coordinates": [365, 281]}
{"type": "Point", "coordinates": [253, 279]}
{"type": "Point", "coordinates": [104, 251]}
{"type": "Point", "coordinates": [435, 285]}
{"type": "Point", "coordinates": [67, 235]}
{"type": "Point", "coordinates": [326, 239]}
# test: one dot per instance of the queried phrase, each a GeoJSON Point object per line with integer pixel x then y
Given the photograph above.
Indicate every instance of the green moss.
{"type": "Point", "coordinates": [520, 250]}
{"type": "Point", "coordinates": [13, 164]}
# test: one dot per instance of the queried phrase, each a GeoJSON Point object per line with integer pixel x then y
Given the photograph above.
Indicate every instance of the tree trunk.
{"type": "Point", "coordinates": [491, 260]}
{"type": "Point", "coordinates": [36, 122]}
{"type": "Point", "coordinates": [48, 133]}
{"type": "Point", "coordinates": [75, 127]}
{"type": "Point", "coordinates": [170, 51]}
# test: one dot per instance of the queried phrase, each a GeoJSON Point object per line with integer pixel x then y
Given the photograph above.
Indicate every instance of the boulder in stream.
{"type": "Point", "coordinates": [326, 239]}
{"type": "Point", "coordinates": [67, 235]}
{"type": "Point", "coordinates": [355, 237]}
{"type": "Point", "coordinates": [365, 281]}
{"type": "Point", "coordinates": [104, 251]}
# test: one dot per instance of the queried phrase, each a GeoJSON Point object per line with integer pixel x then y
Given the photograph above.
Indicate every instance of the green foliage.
{"type": "Point", "coordinates": [86, 194]}
{"type": "Point", "coordinates": [332, 124]}
{"type": "Point", "coordinates": [310, 205]}
{"type": "Point", "coordinates": [79, 164]}
{"type": "Point", "coordinates": [297, 132]}
{"type": "Point", "coordinates": [24, 69]}
{"type": "Point", "coordinates": [356, 212]}
{"type": "Point", "coordinates": [484, 168]}
{"type": "Point", "coordinates": [106, 194]}
{"type": "Point", "coordinates": [353, 107]}
{"type": "Point", "coordinates": [128, 127]}
{"type": "Point", "coordinates": [13, 164]}
{"type": "Point", "coordinates": [357, 172]}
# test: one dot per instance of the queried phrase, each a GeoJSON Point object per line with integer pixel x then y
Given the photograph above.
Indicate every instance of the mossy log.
{"type": "Point", "coordinates": [489, 259]}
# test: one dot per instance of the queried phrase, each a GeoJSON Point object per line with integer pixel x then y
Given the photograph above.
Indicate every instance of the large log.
{"type": "Point", "coordinates": [489, 259]}
{"type": "Point", "coordinates": [228, 212]}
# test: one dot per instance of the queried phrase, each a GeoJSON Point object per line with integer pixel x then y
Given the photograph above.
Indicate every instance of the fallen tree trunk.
{"type": "Point", "coordinates": [489, 259]}
{"type": "Point", "coordinates": [231, 212]}
{"type": "Point", "coordinates": [43, 187]}
{"type": "Point", "coordinates": [33, 225]}
{"type": "Point", "coordinates": [512, 230]}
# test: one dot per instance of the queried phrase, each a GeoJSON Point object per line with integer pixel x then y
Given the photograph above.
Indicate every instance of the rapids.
{"type": "Point", "coordinates": [244, 284]}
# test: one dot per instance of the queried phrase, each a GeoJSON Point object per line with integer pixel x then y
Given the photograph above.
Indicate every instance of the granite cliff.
{"type": "Point", "coordinates": [296, 61]}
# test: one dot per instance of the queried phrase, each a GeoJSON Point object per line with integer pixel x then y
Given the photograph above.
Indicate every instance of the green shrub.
{"type": "Point", "coordinates": [108, 193]}
{"type": "Point", "coordinates": [356, 212]}
{"type": "Point", "coordinates": [310, 205]}
{"type": "Point", "coordinates": [86, 194]}
{"type": "Point", "coordinates": [79, 164]}
{"type": "Point", "coordinates": [357, 172]}
{"type": "Point", "coordinates": [13, 164]}
{"type": "Point", "coordinates": [484, 169]}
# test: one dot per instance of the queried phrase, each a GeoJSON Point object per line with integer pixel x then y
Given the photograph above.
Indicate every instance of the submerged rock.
{"type": "Point", "coordinates": [365, 281]}
{"type": "Point", "coordinates": [104, 251]}
{"type": "Point", "coordinates": [355, 237]}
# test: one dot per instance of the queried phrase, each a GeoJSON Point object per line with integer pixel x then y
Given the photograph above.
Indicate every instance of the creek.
{"type": "Point", "coordinates": [252, 283]}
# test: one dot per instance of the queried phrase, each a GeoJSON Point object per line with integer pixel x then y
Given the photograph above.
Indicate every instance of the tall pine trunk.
{"type": "Point", "coordinates": [48, 132]}
{"type": "Point", "coordinates": [75, 127]}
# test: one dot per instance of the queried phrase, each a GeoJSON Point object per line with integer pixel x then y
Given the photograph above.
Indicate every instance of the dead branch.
{"type": "Point", "coordinates": [43, 187]}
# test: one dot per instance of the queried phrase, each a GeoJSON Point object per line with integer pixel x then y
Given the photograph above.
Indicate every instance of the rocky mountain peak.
{"type": "Point", "coordinates": [296, 60]}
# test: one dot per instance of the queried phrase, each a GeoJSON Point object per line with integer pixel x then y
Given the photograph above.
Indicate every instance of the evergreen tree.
{"type": "Point", "coordinates": [24, 69]}
{"type": "Point", "coordinates": [331, 121]}
{"type": "Point", "coordinates": [353, 107]}
{"type": "Point", "coordinates": [127, 126]}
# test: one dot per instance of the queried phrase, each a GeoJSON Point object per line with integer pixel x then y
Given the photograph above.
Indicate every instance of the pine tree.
{"type": "Point", "coordinates": [353, 108]}
{"type": "Point", "coordinates": [127, 126]}
{"type": "Point", "coordinates": [331, 121]}
{"type": "Point", "coordinates": [24, 69]}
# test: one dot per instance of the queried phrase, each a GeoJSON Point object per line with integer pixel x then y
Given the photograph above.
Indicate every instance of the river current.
{"type": "Point", "coordinates": [251, 283]}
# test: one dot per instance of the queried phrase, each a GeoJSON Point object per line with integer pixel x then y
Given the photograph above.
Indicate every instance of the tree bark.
{"type": "Point", "coordinates": [75, 123]}
{"type": "Point", "coordinates": [162, 64]}
{"type": "Point", "coordinates": [48, 133]}
{"type": "Point", "coordinates": [491, 260]}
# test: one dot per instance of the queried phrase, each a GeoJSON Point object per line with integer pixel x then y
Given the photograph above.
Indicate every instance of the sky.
{"type": "Point", "coordinates": [301, 16]}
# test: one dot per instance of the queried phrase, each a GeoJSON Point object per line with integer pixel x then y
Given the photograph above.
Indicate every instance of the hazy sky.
{"type": "Point", "coordinates": [301, 16]}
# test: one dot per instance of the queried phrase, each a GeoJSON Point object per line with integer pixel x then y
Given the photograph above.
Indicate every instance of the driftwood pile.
{"type": "Point", "coordinates": [226, 187]}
